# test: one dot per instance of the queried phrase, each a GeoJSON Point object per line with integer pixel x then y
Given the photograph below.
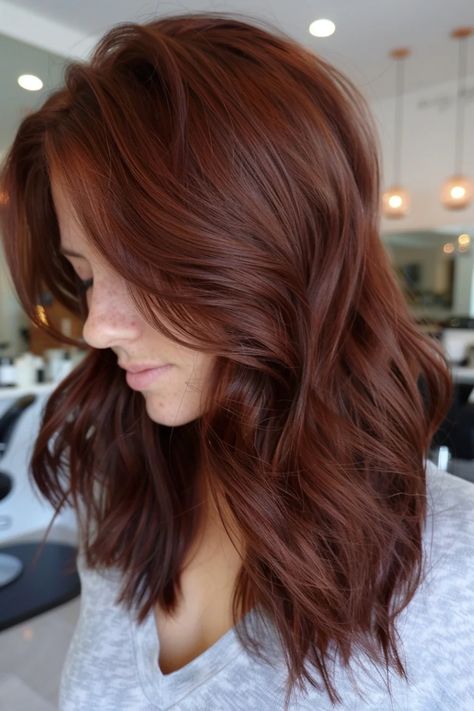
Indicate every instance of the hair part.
{"type": "Point", "coordinates": [231, 177]}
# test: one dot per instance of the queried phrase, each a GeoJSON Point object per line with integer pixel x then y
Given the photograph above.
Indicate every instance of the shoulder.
{"type": "Point", "coordinates": [437, 627]}
{"type": "Point", "coordinates": [449, 533]}
{"type": "Point", "coordinates": [449, 541]}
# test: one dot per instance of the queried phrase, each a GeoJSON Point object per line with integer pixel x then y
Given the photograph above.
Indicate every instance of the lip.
{"type": "Point", "coordinates": [144, 378]}
{"type": "Point", "coordinates": [139, 367]}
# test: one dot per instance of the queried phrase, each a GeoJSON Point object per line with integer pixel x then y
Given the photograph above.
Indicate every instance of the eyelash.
{"type": "Point", "coordinates": [84, 285]}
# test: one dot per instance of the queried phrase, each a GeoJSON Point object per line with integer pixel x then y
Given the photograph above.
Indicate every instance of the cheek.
{"type": "Point", "coordinates": [199, 374]}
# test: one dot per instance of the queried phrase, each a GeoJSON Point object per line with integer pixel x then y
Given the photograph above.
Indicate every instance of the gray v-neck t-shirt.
{"type": "Point", "coordinates": [112, 663]}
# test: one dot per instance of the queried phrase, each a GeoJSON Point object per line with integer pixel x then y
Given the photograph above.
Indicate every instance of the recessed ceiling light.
{"type": "Point", "coordinates": [30, 82]}
{"type": "Point", "coordinates": [322, 28]}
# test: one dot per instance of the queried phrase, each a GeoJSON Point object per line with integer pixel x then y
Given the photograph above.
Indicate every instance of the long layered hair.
{"type": "Point", "coordinates": [230, 176]}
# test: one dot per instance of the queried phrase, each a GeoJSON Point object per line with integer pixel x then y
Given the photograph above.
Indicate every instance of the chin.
{"type": "Point", "coordinates": [162, 414]}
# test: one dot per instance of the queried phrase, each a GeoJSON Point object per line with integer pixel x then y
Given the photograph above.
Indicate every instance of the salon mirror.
{"type": "Point", "coordinates": [435, 269]}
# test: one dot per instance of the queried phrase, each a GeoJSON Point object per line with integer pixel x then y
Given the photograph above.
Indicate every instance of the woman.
{"type": "Point", "coordinates": [245, 440]}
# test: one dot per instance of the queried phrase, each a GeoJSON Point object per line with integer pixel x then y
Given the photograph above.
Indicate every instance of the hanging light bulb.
{"type": "Point", "coordinates": [396, 199]}
{"type": "Point", "coordinates": [457, 191]}
{"type": "Point", "coordinates": [464, 242]}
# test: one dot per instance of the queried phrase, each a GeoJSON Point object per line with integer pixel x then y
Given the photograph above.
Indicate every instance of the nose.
{"type": "Point", "coordinates": [112, 317]}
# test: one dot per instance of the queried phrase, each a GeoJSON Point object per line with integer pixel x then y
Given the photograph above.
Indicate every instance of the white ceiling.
{"type": "Point", "coordinates": [366, 30]}
{"type": "Point", "coordinates": [18, 58]}
{"type": "Point", "coordinates": [48, 32]}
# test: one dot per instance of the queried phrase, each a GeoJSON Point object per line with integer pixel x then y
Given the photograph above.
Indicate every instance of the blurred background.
{"type": "Point", "coordinates": [414, 62]}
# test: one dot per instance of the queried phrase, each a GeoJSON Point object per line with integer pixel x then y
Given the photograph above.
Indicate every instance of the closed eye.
{"type": "Point", "coordinates": [84, 285]}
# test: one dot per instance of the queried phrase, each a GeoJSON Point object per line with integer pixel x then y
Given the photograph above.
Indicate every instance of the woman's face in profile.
{"type": "Point", "coordinates": [173, 394]}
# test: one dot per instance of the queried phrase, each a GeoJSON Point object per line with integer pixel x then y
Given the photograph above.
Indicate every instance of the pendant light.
{"type": "Point", "coordinates": [396, 200]}
{"type": "Point", "coordinates": [457, 191]}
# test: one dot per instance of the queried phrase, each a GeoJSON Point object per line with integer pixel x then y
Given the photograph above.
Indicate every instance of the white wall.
{"type": "Point", "coordinates": [12, 317]}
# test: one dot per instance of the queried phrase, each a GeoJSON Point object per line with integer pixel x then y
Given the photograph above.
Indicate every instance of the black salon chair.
{"type": "Point", "coordinates": [30, 586]}
{"type": "Point", "coordinates": [456, 434]}
{"type": "Point", "coordinates": [10, 566]}
{"type": "Point", "coordinates": [461, 437]}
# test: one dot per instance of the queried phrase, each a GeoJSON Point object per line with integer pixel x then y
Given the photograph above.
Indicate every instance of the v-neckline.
{"type": "Point", "coordinates": [170, 688]}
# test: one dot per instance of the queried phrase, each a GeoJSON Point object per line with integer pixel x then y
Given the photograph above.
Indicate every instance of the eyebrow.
{"type": "Point", "coordinates": [70, 253]}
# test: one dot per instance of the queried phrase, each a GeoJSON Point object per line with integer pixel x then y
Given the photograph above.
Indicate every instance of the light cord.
{"type": "Point", "coordinates": [399, 86]}
{"type": "Point", "coordinates": [460, 106]}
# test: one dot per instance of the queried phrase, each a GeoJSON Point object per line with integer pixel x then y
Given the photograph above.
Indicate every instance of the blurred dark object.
{"type": "Point", "coordinates": [45, 583]}
{"type": "Point", "coordinates": [10, 566]}
{"type": "Point", "coordinates": [10, 417]}
{"type": "Point", "coordinates": [458, 322]}
{"type": "Point", "coordinates": [457, 429]}
{"type": "Point", "coordinates": [31, 584]}
{"type": "Point", "coordinates": [25, 333]}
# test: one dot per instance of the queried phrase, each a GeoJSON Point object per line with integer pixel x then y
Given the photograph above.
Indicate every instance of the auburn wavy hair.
{"type": "Point", "coordinates": [231, 177]}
